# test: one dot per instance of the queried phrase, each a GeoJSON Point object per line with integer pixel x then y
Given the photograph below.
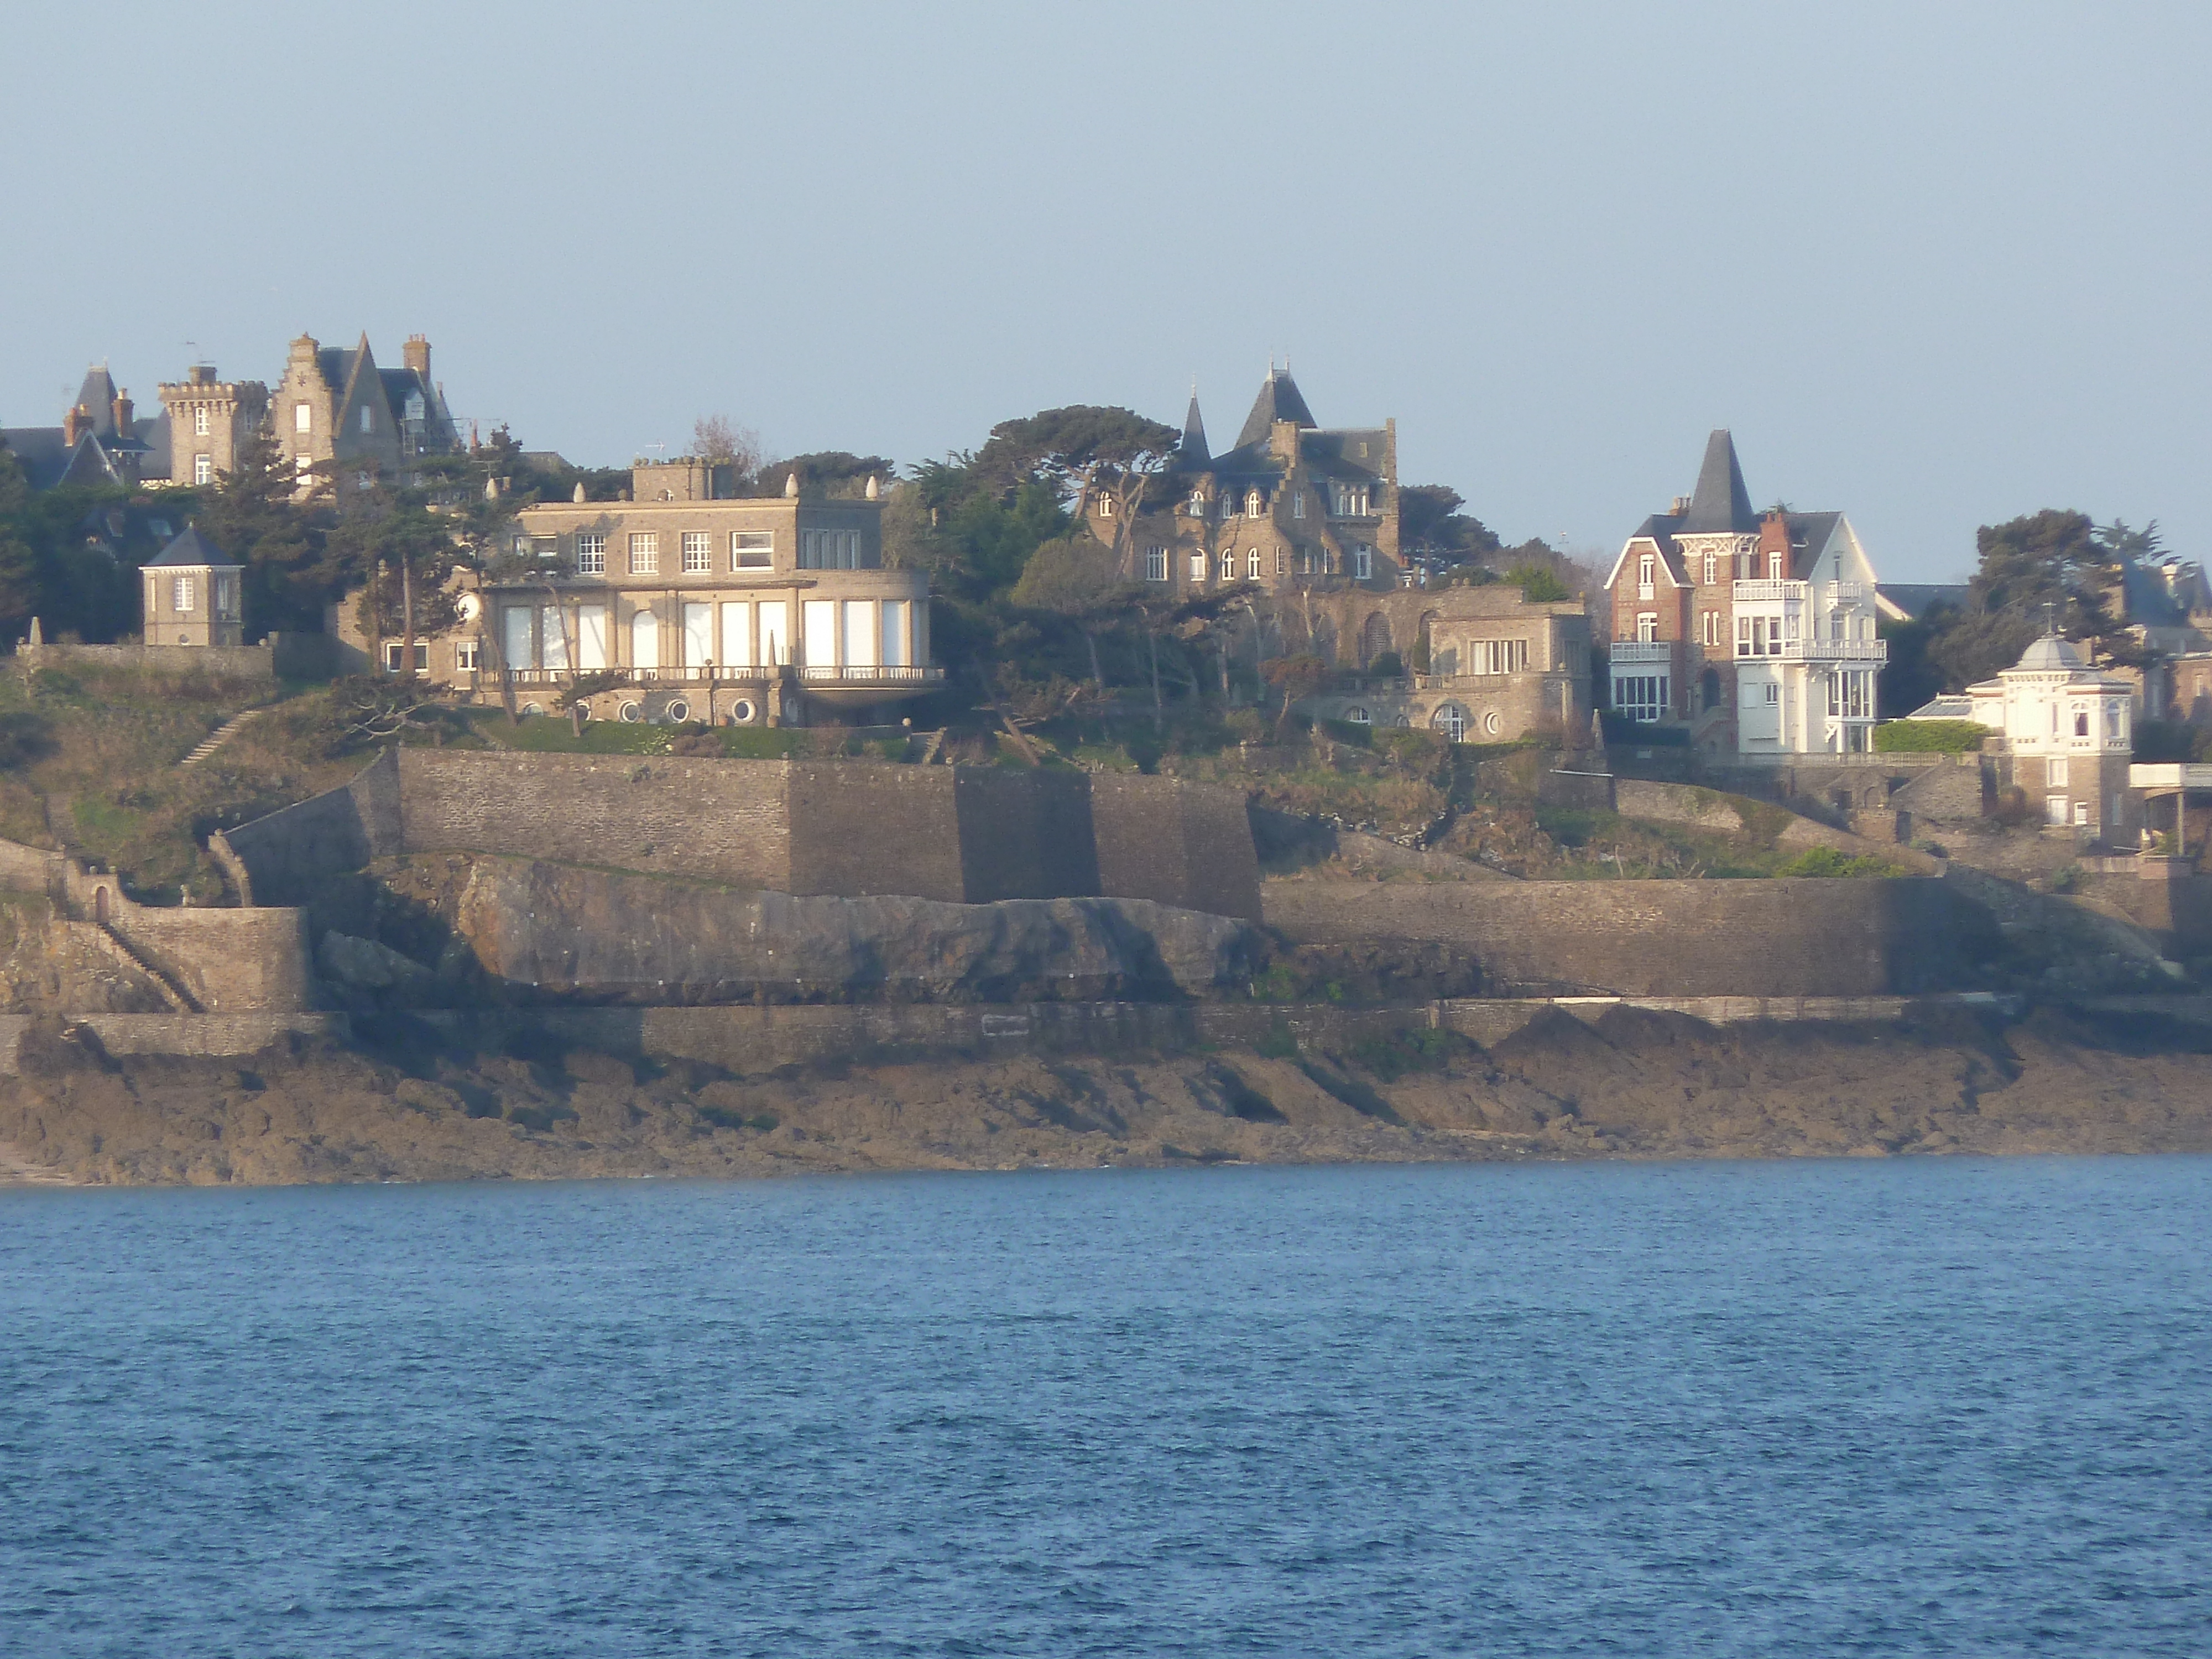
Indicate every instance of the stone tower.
{"type": "Point", "coordinates": [209, 420]}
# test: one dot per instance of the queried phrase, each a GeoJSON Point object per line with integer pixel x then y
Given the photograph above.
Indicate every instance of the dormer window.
{"type": "Point", "coordinates": [1253, 504]}
{"type": "Point", "coordinates": [1197, 503]}
{"type": "Point", "coordinates": [1774, 566]}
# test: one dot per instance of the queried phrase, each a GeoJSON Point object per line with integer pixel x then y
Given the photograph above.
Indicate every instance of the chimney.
{"type": "Point", "coordinates": [416, 353]}
{"type": "Point", "coordinates": [123, 414]}
{"type": "Point", "coordinates": [75, 425]}
{"type": "Point", "coordinates": [202, 374]}
{"type": "Point", "coordinates": [1681, 507]}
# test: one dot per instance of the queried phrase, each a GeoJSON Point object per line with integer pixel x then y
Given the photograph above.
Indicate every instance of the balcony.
{"type": "Point", "coordinates": [1767, 591]}
{"type": "Point", "coordinates": [866, 674]}
{"type": "Point", "coordinates": [1848, 594]}
{"type": "Point", "coordinates": [1846, 651]}
{"type": "Point", "coordinates": [1642, 651]}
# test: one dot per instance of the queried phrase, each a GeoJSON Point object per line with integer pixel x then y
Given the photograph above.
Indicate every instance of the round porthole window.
{"type": "Point", "coordinates": [676, 712]}
{"type": "Point", "coordinates": [631, 712]}
{"type": "Point", "coordinates": [741, 712]}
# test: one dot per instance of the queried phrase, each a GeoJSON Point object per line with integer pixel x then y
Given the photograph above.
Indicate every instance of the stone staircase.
{"type": "Point", "coordinates": [215, 739]}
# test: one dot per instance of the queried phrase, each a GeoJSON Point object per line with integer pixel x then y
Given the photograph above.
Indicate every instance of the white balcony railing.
{"type": "Point", "coordinates": [1627, 651]}
{"type": "Point", "coordinates": [1763, 590]}
{"type": "Point", "coordinates": [1848, 592]}
{"type": "Point", "coordinates": [861, 674]}
{"type": "Point", "coordinates": [1876, 651]}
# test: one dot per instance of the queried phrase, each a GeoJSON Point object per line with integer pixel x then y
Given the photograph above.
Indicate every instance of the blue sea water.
{"type": "Point", "coordinates": [1929, 1407]}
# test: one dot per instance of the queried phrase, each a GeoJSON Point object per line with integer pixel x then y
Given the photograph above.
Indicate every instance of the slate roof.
{"type": "Point", "coordinates": [41, 453]}
{"type": "Point", "coordinates": [189, 549]}
{"type": "Point", "coordinates": [1193, 450]}
{"type": "Point", "coordinates": [1337, 452]}
{"type": "Point", "coordinates": [1279, 400]}
{"type": "Point", "coordinates": [1720, 503]}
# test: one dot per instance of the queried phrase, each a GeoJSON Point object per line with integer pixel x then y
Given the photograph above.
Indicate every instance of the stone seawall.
{"type": "Point", "coordinates": [1804, 938]}
{"type": "Point", "coordinates": [962, 835]}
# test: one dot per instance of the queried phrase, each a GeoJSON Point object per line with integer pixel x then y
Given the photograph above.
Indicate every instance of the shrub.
{"type": "Point", "coordinates": [1827, 862]}
{"type": "Point", "coordinates": [2167, 741]}
{"type": "Point", "coordinates": [1929, 737]}
{"type": "Point", "coordinates": [1389, 665]}
{"type": "Point", "coordinates": [1389, 1058]}
{"type": "Point", "coordinates": [2066, 878]}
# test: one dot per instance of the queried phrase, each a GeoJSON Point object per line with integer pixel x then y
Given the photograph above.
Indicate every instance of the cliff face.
{"type": "Point", "coordinates": [1638, 1085]}
{"type": "Point", "coordinates": [525, 930]}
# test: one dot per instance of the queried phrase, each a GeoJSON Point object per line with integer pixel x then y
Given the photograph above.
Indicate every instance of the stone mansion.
{"type": "Point", "coordinates": [1755, 631]}
{"type": "Point", "coordinates": [745, 611]}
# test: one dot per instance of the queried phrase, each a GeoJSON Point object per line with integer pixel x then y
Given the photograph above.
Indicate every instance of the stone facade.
{"type": "Point", "coordinates": [844, 829]}
{"type": "Point", "coordinates": [1482, 665]}
{"type": "Point", "coordinates": [193, 596]}
{"type": "Point", "coordinates": [1293, 506]}
{"type": "Point", "coordinates": [1812, 938]}
{"type": "Point", "coordinates": [743, 611]}
{"type": "Point", "coordinates": [210, 420]}
{"type": "Point", "coordinates": [2064, 734]}
{"type": "Point", "coordinates": [1758, 630]}
{"type": "Point", "coordinates": [335, 411]}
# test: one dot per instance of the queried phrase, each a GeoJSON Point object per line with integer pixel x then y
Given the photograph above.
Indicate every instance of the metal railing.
{"type": "Point", "coordinates": [865, 674]}
{"type": "Point", "coordinates": [1642, 651]}
{"type": "Point", "coordinates": [1835, 650]}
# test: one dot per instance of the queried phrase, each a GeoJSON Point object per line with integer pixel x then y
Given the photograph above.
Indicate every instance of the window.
{"type": "Point", "coordinates": [1105, 507]}
{"type": "Point", "coordinates": [368, 417]}
{"type": "Point", "coordinates": [2081, 813]}
{"type": "Point", "coordinates": [201, 421]}
{"type": "Point", "coordinates": [203, 469]}
{"type": "Point", "coordinates": [752, 550]}
{"type": "Point", "coordinates": [1773, 691]}
{"type": "Point", "coordinates": [1362, 562]}
{"type": "Point", "coordinates": [1299, 504]}
{"type": "Point", "coordinates": [1498, 657]}
{"type": "Point", "coordinates": [181, 594]}
{"type": "Point", "coordinates": [1197, 564]}
{"type": "Point", "coordinates": [1712, 567]}
{"type": "Point", "coordinates": [1641, 696]}
{"type": "Point", "coordinates": [2056, 774]}
{"type": "Point", "coordinates": [1647, 628]}
{"type": "Point", "coordinates": [395, 649]}
{"type": "Point", "coordinates": [1451, 720]}
{"type": "Point", "coordinates": [590, 553]}
{"type": "Point", "coordinates": [1156, 564]}
{"type": "Point", "coordinates": [302, 465]}
{"type": "Point", "coordinates": [2080, 722]}
{"type": "Point", "coordinates": [1252, 563]}
{"type": "Point", "coordinates": [1709, 625]}
{"type": "Point", "coordinates": [2112, 732]}
{"type": "Point", "coordinates": [545, 548]}
{"type": "Point", "coordinates": [1253, 504]}
{"type": "Point", "coordinates": [1358, 715]}
{"type": "Point", "coordinates": [828, 550]}
{"type": "Point", "coordinates": [1836, 626]}
{"type": "Point", "coordinates": [697, 560]}
{"type": "Point", "coordinates": [644, 553]}
{"type": "Point", "coordinates": [364, 480]}
{"type": "Point", "coordinates": [1774, 566]}
{"type": "Point", "coordinates": [465, 656]}
{"type": "Point", "coordinates": [303, 417]}
{"type": "Point", "coordinates": [1197, 504]}
{"type": "Point", "coordinates": [1348, 500]}
{"type": "Point", "coordinates": [1759, 636]}
{"type": "Point", "coordinates": [1643, 575]}
{"type": "Point", "coordinates": [644, 640]}
{"type": "Point", "coordinates": [1229, 566]}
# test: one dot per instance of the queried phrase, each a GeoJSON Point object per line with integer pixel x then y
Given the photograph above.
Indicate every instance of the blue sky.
{"type": "Point", "coordinates": [1935, 265]}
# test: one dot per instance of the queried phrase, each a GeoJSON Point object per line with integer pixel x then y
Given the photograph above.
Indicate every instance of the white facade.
{"type": "Point", "coordinates": [1806, 656]}
{"type": "Point", "coordinates": [2069, 731]}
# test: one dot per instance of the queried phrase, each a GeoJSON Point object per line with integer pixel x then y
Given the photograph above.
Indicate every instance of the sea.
{"type": "Point", "coordinates": [1887, 1407]}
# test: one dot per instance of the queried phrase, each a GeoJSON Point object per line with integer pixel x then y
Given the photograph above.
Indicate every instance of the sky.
{"type": "Point", "coordinates": [1935, 264]}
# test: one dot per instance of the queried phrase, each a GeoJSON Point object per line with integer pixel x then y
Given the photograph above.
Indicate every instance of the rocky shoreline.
{"type": "Point", "coordinates": [1636, 1084]}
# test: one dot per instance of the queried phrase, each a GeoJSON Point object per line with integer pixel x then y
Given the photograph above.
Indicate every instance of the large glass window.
{"type": "Point", "coordinates": [860, 637]}
{"type": "Point", "coordinates": [1450, 718]}
{"type": "Point", "coordinates": [644, 640]}
{"type": "Point", "coordinates": [697, 561]}
{"type": "Point", "coordinates": [898, 636]}
{"type": "Point", "coordinates": [752, 550]}
{"type": "Point", "coordinates": [774, 634]}
{"type": "Point", "coordinates": [737, 633]}
{"type": "Point", "coordinates": [1156, 564]}
{"type": "Point", "coordinates": [819, 618]}
{"type": "Point", "coordinates": [1641, 696]}
{"type": "Point", "coordinates": [553, 635]}
{"type": "Point", "coordinates": [590, 553]}
{"type": "Point", "coordinates": [644, 553]}
{"type": "Point", "coordinates": [592, 638]}
{"type": "Point", "coordinates": [515, 637]}
{"type": "Point", "coordinates": [698, 633]}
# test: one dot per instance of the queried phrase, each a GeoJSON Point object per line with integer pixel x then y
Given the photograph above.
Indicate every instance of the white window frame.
{"type": "Point", "coordinates": [1362, 562]}
{"type": "Point", "coordinates": [1198, 565]}
{"type": "Point", "coordinates": [202, 468]}
{"type": "Point", "coordinates": [1156, 564]}
{"type": "Point", "coordinates": [368, 417]}
{"type": "Point", "coordinates": [1647, 628]}
{"type": "Point", "coordinates": [465, 656]}
{"type": "Point", "coordinates": [203, 420]}
{"type": "Point", "coordinates": [1252, 564]}
{"type": "Point", "coordinates": [1712, 567]}
{"type": "Point", "coordinates": [752, 550]}
{"type": "Point", "coordinates": [590, 553]}
{"type": "Point", "coordinates": [183, 595]}
{"type": "Point", "coordinates": [1298, 503]}
{"type": "Point", "coordinates": [1228, 564]}
{"type": "Point", "coordinates": [1255, 505]}
{"type": "Point", "coordinates": [644, 552]}
{"type": "Point", "coordinates": [698, 552]}
{"type": "Point", "coordinates": [303, 417]}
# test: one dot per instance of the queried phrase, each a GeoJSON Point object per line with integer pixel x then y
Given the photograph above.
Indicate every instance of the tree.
{"type": "Point", "coordinates": [835, 472]}
{"type": "Point", "coordinates": [1090, 453]}
{"type": "Point", "coordinates": [1075, 577]}
{"type": "Point", "coordinates": [18, 563]}
{"type": "Point", "coordinates": [257, 514]}
{"type": "Point", "coordinates": [2044, 569]}
{"type": "Point", "coordinates": [720, 441]}
{"type": "Point", "coordinates": [1429, 522]}
{"type": "Point", "coordinates": [1293, 678]}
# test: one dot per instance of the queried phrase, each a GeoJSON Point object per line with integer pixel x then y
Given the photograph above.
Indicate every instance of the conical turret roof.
{"type": "Point", "coordinates": [1279, 400]}
{"type": "Point", "coordinates": [1720, 503]}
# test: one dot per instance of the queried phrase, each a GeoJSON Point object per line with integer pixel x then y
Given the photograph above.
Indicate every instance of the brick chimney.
{"type": "Point", "coordinates": [122, 413]}
{"type": "Point", "coordinates": [416, 353]}
{"type": "Point", "coordinates": [74, 425]}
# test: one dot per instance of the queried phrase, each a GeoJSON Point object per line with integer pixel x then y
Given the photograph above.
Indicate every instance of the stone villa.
{"type": "Point", "coordinates": [1755, 631]}
{"type": "Point", "coordinates": [745, 610]}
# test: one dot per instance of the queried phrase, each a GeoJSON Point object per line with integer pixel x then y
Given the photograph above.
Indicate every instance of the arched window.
{"type": "Point", "coordinates": [1251, 563]}
{"type": "Point", "coordinates": [1374, 637]}
{"type": "Point", "coordinates": [1451, 720]}
{"type": "Point", "coordinates": [2080, 722]}
{"type": "Point", "coordinates": [1254, 505]}
{"type": "Point", "coordinates": [1356, 714]}
{"type": "Point", "coordinates": [1229, 566]}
